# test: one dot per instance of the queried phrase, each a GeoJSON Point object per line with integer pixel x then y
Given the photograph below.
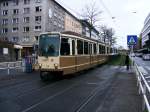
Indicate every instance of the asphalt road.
{"type": "Point", "coordinates": [145, 65]}
{"type": "Point", "coordinates": [103, 89]}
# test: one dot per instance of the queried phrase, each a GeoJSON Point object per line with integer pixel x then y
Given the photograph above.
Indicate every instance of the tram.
{"type": "Point", "coordinates": [64, 53]}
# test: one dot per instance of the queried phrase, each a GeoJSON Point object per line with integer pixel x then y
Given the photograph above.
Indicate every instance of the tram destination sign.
{"type": "Point", "coordinates": [132, 39]}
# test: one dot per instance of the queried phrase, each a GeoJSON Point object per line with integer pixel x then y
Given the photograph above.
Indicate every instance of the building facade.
{"type": "Point", "coordinates": [87, 29]}
{"type": "Point", "coordinates": [72, 23]}
{"type": "Point", "coordinates": [146, 33]}
{"type": "Point", "coordinates": [23, 20]}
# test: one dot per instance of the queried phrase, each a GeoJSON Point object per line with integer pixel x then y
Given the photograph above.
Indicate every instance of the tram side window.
{"type": "Point", "coordinates": [103, 49]}
{"type": "Point", "coordinates": [80, 46]}
{"type": "Point", "coordinates": [100, 49]}
{"type": "Point", "coordinates": [73, 47]}
{"type": "Point", "coordinates": [90, 48]}
{"type": "Point", "coordinates": [95, 49]}
{"type": "Point", "coordinates": [86, 48]}
{"type": "Point", "coordinates": [65, 46]}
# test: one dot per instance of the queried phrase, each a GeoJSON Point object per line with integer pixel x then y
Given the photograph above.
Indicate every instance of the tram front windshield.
{"type": "Point", "coordinates": [49, 45]}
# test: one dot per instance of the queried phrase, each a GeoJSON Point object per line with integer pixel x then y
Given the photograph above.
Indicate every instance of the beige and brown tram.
{"type": "Point", "coordinates": [66, 53]}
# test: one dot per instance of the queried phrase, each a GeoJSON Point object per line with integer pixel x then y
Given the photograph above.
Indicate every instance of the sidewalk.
{"type": "Point", "coordinates": [14, 73]}
{"type": "Point", "coordinates": [123, 94]}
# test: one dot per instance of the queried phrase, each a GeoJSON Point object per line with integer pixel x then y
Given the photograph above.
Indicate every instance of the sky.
{"type": "Point", "coordinates": [129, 15]}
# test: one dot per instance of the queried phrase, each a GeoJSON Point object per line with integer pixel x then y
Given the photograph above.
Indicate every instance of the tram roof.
{"type": "Point", "coordinates": [79, 35]}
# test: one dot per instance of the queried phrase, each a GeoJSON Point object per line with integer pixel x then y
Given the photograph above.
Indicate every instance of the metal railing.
{"type": "Point", "coordinates": [144, 89]}
{"type": "Point", "coordinates": [11, 65]}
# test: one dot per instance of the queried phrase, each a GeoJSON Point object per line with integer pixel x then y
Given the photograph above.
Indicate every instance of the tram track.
{"type": "Point", "coordinates": [76, 92]}
{"type": "Point", "coordinates": [97, 92]}
{"type": "Point", "coordinates": [48, 98]}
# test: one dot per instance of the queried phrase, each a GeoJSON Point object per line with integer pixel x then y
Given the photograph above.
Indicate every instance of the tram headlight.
{"type": "Point", "coordinates": [40, 65]}
{"type": "Point", "coordinates": [56, 66]}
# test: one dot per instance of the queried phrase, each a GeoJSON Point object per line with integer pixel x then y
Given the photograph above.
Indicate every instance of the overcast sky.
{"type": "Point", "coordinates": [125, 23]}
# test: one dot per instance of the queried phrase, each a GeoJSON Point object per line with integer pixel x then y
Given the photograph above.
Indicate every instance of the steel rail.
{"type": "Point", "coordinates": [143, 87]}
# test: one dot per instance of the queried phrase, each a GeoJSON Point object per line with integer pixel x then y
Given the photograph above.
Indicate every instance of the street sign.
{"type": "Point", "coordinates": [132, 39]}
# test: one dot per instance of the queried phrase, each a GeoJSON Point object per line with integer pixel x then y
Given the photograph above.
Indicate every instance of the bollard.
{"type": "Point", "coordinates": [8, 70]}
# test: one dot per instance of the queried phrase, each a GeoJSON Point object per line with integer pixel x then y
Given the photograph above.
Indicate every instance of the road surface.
{"type": "Point", "coordinates": [103, 89]}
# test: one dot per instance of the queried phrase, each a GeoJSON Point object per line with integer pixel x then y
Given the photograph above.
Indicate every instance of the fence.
{"type": "Point", "coordinates": [143, 81]}
{"type": "Point", "coordinates": [11, 65]}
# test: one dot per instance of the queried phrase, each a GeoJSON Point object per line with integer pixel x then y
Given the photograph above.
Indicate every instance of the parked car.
{"type": "Point", "coordinates": [132, 55]}
{"type": "Point", "coordinates": [138, 54]}
{"type": "Point", "coordinates": [146, 57]}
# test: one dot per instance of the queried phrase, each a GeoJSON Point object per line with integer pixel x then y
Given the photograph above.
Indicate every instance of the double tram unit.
{"type": "Point", "coordinates": [64, 53]}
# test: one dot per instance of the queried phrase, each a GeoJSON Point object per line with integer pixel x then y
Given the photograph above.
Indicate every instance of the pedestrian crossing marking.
{"type": "Point", "coordinates": [132, 41]}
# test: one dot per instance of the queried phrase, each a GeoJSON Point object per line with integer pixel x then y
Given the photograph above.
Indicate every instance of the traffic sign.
{"type": "Point", "coordinates": [132, 39]}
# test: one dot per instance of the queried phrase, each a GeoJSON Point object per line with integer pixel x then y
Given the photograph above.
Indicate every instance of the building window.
{"type": "Point", "coordinates": [26, 10]}
{"type": "Point", "coordinates": [5, 4]}
{"type": "Point", "coordinates": [4, 21]}
{"type": "Point", "coordinates": [5, 12]}
{"type": "Point", "coordinates": [55, 23]}
{"type": "Point", "coordinates": [38, 9]}
{"type": "Point", "coordinates": [38, 1]}
{"type": "Point", "coordinates": [15, 29]}
{"type": "Point", "coordinates": [5, 30]}
{"type": "Point", "coordinates": [16, 11]}
{"type": "Point", "coordinates": [37, 38]}
{"type": "Point", "coordinates": [15, 39]}
{"type": "Point", "coordinates": [26, 19]}
{"type": "Point", "coordinates": [26, 39]}
{"type": "Point", "coordinates": [16, 2]}
{"type": "Point", "coordinates": [26, 1]}
{"type": "Point", "coordinates": [38, 18]}
{"type": "Point", "coordinates": [26, 29]}
{"type": "Point", "coordinates": [37, 28]}
{"type": "Point", "coordinates": [15, 20]}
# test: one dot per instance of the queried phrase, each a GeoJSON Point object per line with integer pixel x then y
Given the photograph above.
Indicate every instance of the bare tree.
{"type": "Point", "coordinates": [108, 35]}
{"type": "Point", "coordinates": [91, 13]}
{"type": "Point", "coordinates": [111, 38]}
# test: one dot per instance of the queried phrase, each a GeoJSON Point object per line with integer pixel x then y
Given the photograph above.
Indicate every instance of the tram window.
{"type": "Point", "coordinates": [94, 46]}
{"type": "Point", "coordinates": [103, 50]}
{"type": "Point", "coordinates": [107, 50]}
{"type": "Point", "coordinates": [65, 46]}
{"type": "Point", "coordinates": [80, 46]}
{"type": "Point", "coordinates": [100, 49]}
{"type": "Point", "coordinates": [90, 48]}
{"type": "Point", "coordinates": [86, 48]}
{"type": "Point", "coordinates": [73, 47]}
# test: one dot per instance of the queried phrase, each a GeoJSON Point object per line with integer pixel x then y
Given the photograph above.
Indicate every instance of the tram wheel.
{"type": "Point", "coordinates": [44, 76]}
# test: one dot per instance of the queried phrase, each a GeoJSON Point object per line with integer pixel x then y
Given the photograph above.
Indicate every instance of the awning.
{"type": "Point", "coordinates": [18, 46]}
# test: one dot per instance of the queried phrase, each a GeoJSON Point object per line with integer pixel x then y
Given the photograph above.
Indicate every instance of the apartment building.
{"type": "Point", "coordinates": [72, 23]}
{"type": "Point", "coordinates": [146, 33]}
{"type": "Point", "coordinates": [21, 21]}
{"type": "Point", "coordinates": [87, 29]}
